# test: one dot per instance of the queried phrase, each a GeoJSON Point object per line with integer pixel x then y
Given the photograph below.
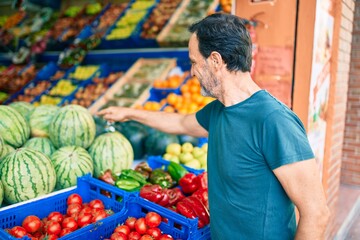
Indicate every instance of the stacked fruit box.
{"type": "Point", "coordinates": [133, 88]}
{"type": "Point", "coordinates": [176, 31]}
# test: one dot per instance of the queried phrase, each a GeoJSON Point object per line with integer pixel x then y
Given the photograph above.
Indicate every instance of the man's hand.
{"type": "Point", "coordinates": [115, 114]}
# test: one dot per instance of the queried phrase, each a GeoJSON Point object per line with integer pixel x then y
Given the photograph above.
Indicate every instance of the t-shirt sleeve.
{"type": "Point", "coordinates": [284, 139]}
{"type": "Point", "coordinates": [203, 115]}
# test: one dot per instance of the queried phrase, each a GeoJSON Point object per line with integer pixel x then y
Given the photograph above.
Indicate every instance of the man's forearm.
{"type": "Point", "coordinates": [163, 121]}
{"type": "Point", "coordinates": [312, 228]}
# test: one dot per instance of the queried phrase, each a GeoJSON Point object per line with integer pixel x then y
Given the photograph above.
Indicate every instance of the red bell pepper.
{"type": "Point", "coordinates": [175, 196]}
{"type": "Point", "coordinates": [203, 180]}
{"type": "Point", "coordinates": [153, 193]}
{"type": "Point", "coordinates": [164, 200]}
{"type": "Point", "coordinates": [184, 209]}
{"type": "Point", "coordinates": [203, 196]}
{"type": "Point", "coordinates": [108, 177]}
{"type": "Point", "coordinates": [200, 210]}
{"type": "Point", "coordinates": [189, 183]}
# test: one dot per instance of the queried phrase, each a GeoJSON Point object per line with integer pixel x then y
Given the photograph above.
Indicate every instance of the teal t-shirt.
{"type": "Point", "coordinates": [246, 142]}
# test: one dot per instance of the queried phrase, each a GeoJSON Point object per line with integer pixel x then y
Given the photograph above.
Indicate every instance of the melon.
{"type": "Point", "coordinates": [40, 120]}
{"type": "Point", "coordinates": [41, 144]}
{"type": "Point", "coordinates": [24, 108]}
{"type": "Point", "coordinates": [26, 174]}
{"type": "Point", "coordinates": [72, 125]}
{"type": "Point", "coordinates": [7, 149]}
{"type": "Point", "coordinates": [2, 146]}
{"type": "Point", "coordinates": [14, 129]}
{"type": "Point", "coordinates": [111, 151]}
{"type": "Point", "coordinates": [1, 193]}
{"type": "Point", "coordinates": [70, 163]}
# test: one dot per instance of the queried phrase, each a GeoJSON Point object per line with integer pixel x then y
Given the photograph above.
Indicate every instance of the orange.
{"type": "Point", "coordinates": [194, 88]}
{"type": "Point", "coordinates": [169, 109]}
{"type": "Point", "coordinates": [184, 88]}
{"type": "Point", "coordinates": [172, 98]}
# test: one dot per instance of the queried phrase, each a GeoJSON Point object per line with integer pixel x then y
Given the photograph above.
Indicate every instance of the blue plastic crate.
{"type": "Point", "coordinates": [159, 162]}
{"type": "Point", "coordinates": [177, 225]}
{"type": "Point", "coordinates": [89, 188]}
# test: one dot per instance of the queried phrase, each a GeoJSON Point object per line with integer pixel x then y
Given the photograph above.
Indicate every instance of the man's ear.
{"type": "Point", "coordinates": [215, 58]}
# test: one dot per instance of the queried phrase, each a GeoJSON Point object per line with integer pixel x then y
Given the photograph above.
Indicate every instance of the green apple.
{"type": "Point", "coordinates": [193, 164]}
{"type": "Point", "coordinates": [175, 159]}
{"type": "Point", "coordinates": [205, 147]}
{"type": "Point", "coordinates": [167, 156]}
{"type": "Point", "coordinates": [186, 157]}
{"type": "Point", "coordinates": [197, 152]}
{"type": "Point", "coordinates": [187, 147]}
{"type": "Point", "coordinates": [203, 160]}
{"type": "Point", "coordinates": [173, 148]}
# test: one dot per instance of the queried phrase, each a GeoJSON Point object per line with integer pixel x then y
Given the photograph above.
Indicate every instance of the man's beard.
{"type": "Point", "coordinates": [204, 92]}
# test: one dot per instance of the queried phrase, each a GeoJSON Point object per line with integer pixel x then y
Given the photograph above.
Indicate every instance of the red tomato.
{"type": "Point", "coordinates": [98, 215]}
{"type": "Point", "coordinates": [141, 226]}
{"type": "Point", "coordinates": [31, 223]}
{"type": "Point", "coordinates": [166, 237]}
{"type": "Point", "coordinates": [86, 209]}
{"type": "Point", "coordinates": [123, 228]}
{"type": "Point", "coordinates": [130, 222]}
{"type": "Point", "coordinates": [152, 219]}
{"type": "Point", "coordinates": [70, 223]}
{"type": "Point", "coordinates": [73, 209]}
{"type": "Point", "coordinates": [53, 227]}
{"type": "Point", "coordinates": [118, 236]}
{"type": "Point", "coordinates": [84, 219]}
{"type": "Point", "coordinates": [146, 237]}
{"type": "Point", "coordinates": [134, 236]}
{"type": "Point", "coordinates": [74, 198]}
{"type": "Point", "coordinates": [55, 216]}
{"type": "Point", "coordinates": [154, 232]}
{"type": "Point", "coordinates": [18, 232]}
{"type": "Point", "coordinates": [49, 237]}
{"type": "Point", "coordinates": [37, 234]}
{"type": "Point", "coordinates": [96, 203]}
{"type": "Point", "coordinates": [65, 231]}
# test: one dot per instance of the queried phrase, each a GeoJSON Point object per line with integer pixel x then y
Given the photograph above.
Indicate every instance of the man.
{"type": "Point", "coordinates": [259, 160]}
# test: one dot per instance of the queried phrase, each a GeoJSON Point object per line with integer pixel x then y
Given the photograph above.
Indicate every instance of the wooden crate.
{"type": "Point", "coordinates": [132, 75]}
{"type": "Point", "coordinates": [162, 37]}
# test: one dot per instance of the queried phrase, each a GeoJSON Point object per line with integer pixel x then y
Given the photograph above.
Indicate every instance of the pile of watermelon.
{"type": "Point", "coordinates": [46, 148]}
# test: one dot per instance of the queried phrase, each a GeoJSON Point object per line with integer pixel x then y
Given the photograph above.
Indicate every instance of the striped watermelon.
{"type": "Point", "coordinates": [1, 193]}
{"type": "Point", "coordinates": [111, 151]}
{"type": "Point", "coordinates": [73, 125]}
{"type": "Point", "coordinates": [41, 144]}
{"type": "Point", "coordinates": [40, 120]}
{"type": "Point", "coordinates": [26, 174]}
{"type": "Point", "coordinates": [24, 108]}
{"type": "Point", "coordinates": [13, 127]}
{"type": "Point", "coordinates": [2, 146]}
{"type": "Point", "coordinates": [71, 162]}
{"type": "Point", "coordinates": [7, 149]}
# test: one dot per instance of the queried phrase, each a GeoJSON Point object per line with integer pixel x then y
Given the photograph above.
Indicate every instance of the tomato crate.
{"type": "Point", "coordinates": [159, 162]}
{"type": "Point", "coordinates": [87, 187]}
{"type": "Point", "coordinates": [177, 225]}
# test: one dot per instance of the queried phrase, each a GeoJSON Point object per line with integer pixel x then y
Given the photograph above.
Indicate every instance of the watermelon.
{"type": "Point", "coordinates": [1, 193]}
{"type": "Point", "coordinates": [41, 144]}
{"type": "Point", "coordinates": [70, 163]}
{"type": "Point", "coordinates": [156, 142]}
{"type": "Point", "coordinates": [24, 108]}
{"type": "Point", "coordinates": [40, 120]}
{"type": "Point", "coordinates": [2, 146]}
{"type": "Point", "coordinates": [111, 151]}
{"type": "Point", "coordinates": [26, 174]}
{"type": "Point", "coordinates": [72, 125]}
{"type": "Point", "coordinates": [13, 127]}
{"type": "Point", "coordinates": [7, 149]}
